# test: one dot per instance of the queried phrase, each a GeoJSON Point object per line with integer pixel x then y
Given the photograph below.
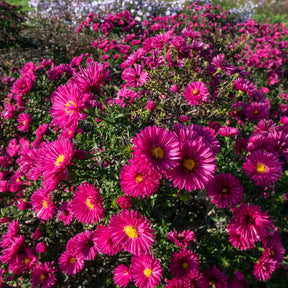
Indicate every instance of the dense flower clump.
{"type": "Point", "coordinates": [157, 160]}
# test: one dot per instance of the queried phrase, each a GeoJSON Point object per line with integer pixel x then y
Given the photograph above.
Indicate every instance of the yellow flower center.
{"type": "Point", "coordinates": [185, 265]}
{"type": "Point", "coordinates": [195, 92]}
{"type": "Point", "coordinates": [131, 231]}
{"type": "Point", "coordinates": [45, 204]}
{"type": "Point", "coordinates": [139, 178]}
{"type": "Point", "coordinates": [88, 202]}
{"type": "Point", "coordinates": [70, 104]}
{"type": "Point", "coordinates": [59, 160]}
{"type": "Point", "coordinates": [189, 164]}
{"type": "Point", "coordinates": [24, 122]}
{"type": "Point", "coordinates": [157, 153]}
{"type": "Point", "coordinates": [73, 260]}
{"type": "Point", "coordinates": [224, 190]}
{"type": "Point", "coordinates": [256, 112]}
{"type": "Point", "coordinates": [147, 272]}
{"type": "Point", "coordinates": [261, 168]}
{"type": "Point", "coordinates": [43, 277]}
{"type": "Point", "coordinates": [17, 180]}
{"type": "Point", "coordinates": [27, 261]}
{"type": "Point", "coordinates": [272, 253]}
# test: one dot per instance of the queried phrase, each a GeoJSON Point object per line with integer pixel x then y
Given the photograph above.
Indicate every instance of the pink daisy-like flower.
{"type": "Point", "coordinates": [135, 77]}
{"type": "Point", "coordinates": [86, 245]}
{"type": "Point", "coordinates": [196, 93]}
{"type": "Point", "coordinates": [215, 277]}
{"type": "Point", "coordinates": [197, 166]}
{"type": "Point", "coordinates": [183, 263]}
{"type": "Point", "coordinates": [251, 223]}
{"type": "Point", "coordinates": [240, 146]}
{"type": "Point", "coordinates": [146, 271]}
{"type": "Point", "coordinates": [24, 120]}
{"type": "Point", "coordinates": [43, 275]}
{"type": "Point", "coordinates": [238, 281]}
{"type": "Point", "coordinates": [92, 78]}
{"type": "Point", "coordinates": [9, 254]}
{"type": "Point", "coordinates": [122, 276]}
{"type": "Point", "coordinates": [157, 148]}
{"type": "Point", "coordinates": [87, 204]}
{"type": "Point", "coordinates": [23, 85]}
{"type": "Point", "coordinates": [227, 131]}
{"type": "Point", "coordinates": [71, 262]}
{"type": "Point", "coordinates": [131, 231]}
{"type": "Point", "coordinates": [125, 202]}
{"type": "Point", "coordinates": [42, 204]}
{"type": "Point", "coordinates": [67, 102]}
{"type": "Point", "coordinates": [225, 190]}
{"type": "Point", "coordinates": [182, 238]}
{"type": "Point", "coordinates": [179, 283]}
{"type": "Point", "coordinates": [65, 213]}
{"type": "Point", "coordinates": [136, 180]}
{"type": "Point", "coordinates": [263, 167]}
{"type": "Point", "coordinates": [244, 86]}
{"type": "Point", "coordinates": [41, 247]}
{"type": "Point", "coordinates": [258, 111]}
{"type": "Point", "coordinates": [264, 268]}
{"type": "Point", "coordinates": [12, 148]}
{"type": "Point", "coordinates": [53, 160]}
{"type": "Point", "coordinates": [104, 242]}
{"type": "Point", "coordinates": [12, 231]}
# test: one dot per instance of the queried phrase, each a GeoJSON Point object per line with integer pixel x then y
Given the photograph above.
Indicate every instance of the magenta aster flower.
{"type": "Point", "coordinates": [227, 131]}
{"type": "Point", "coordinates": [244, 86]}
{"type": "Point", "coordinates": [23, 85]}
{"type": "Point", "coordinates": [92, 78]}
{"type": "Point", "coordinates": [67, 102]}
{"type": "Point", "coordinates": [12, 148]}
{"type": "Point", "coordinates": [104, 242]}
{"type": "Point", "coordinates": [225, 190]}
{"type": "Point", "coordinates": [183, 263]}
{"type": "Point", "coordinates": [258, 111]}
{"type": "Point", "coordinates": [135, 77]}
{"type": "Point", "coordinates": [182, 238]}
{"type": "Point", "coordinates": [238, 281]}
{"type": "Point", "coordinates": [264, 268]}
{"type": "Point", "coordinates": [43, 275]}
{"type": "Point", "coordinates": [215, 277]}
{"type": "Point", "coordinates": [122, 276]}
{"type": "Point", "coordinates": [196, 93]}
{"type": "Point", "coordinates": [197, 166]}
{"type": "Point", "coordinates": [87, 204]}
{"type": "Point", "coordinates": [157, 148]}
{"type": "Point", "coordinates": [42, 204]}
{"type": "Point", "coordinates": [137, 180]}
{"type": "Point", "coordinates": [131, 231]}
{"type": "Point", "coordinates": [71, 262]}
{"type": "Point", "coordinates": [263, 167]}
{"type": "Point", "coordinates": [251, 223]}
{"type": "Point", "coordinates": [86, 245]}
{"type": "Point", "coordinates": [146, 271]}
{"type": "Point", "coordinates": [12, 231]}
{"type": "Point", "coordinates": [65, 213]}
{"type": "Point", "coordinates": [53, 160]}
{"type": "Point", "coordinates": [125, 202]}
{"type": "Point", "coordinates": [24, 120]}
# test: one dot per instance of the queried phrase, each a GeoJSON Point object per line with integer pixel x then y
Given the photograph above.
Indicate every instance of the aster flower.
{"type": "Point", "coordinates": [244, 86]}
{"type": "Point", "coordinates": [12, 231]}
{"type": "Point", "coordinates": [196, 93]}
{"type": "Point", "coordinates": [125, 202]}
{"type": "Point", "coordinates": [136, 180]}
{"type": "Point", "coordinates": [132, 232]}
{"type": "Point", "coordinates": [53, 160]}
{"type": "Point", "coordinates": [265, 126]}
{"type": "Point", "coordinates": [136, 76]}
{"type": "Point", "coordinates": [225, 190]}
{"type": "Point", "coordinates": [156, 148]}
{"type": "Point", "coordinates": [43, 275]}
{"type": "Point", "coordinates": [240, 145]}
{"type": "Point", "coordinates": [92, 78]}
{"type": "Point", "coordinates": [257, 111]}
{"type": "Point", "coordinates": [12, 148]}
{"type": "Point", "coordinates": [71, 262]}
{"type": "Point", "coordinates": [159, 41]}
{"type": "Point", "coordinates": [179, 283]}
{"type": "Point", "coordinates": [67, 102]}
{"type": "Point", "coordinates": [65, 213]}
{"type": "Point", "coordinates": [264, 268]}
{"type": "Point", "coordinates": [125, 95]}
{"type": "Point", "coordinates": [23, 85]}
{"type": "Point", "coordinates": [122, 276]}
{"type": "Point", "coordinates": [42, 204]}
{"type": "Point", "coordinates": [197, 166]}
{"type": "Point", "coordinates": [251, 223]}
{"type": "Point", "coordinates": [9, 254]}
{"type": "Point", "coordinates": [183, 263]}
{"type": "Point", "coordinates": [41, 247]}
{"type": "Point", "coordinates": [87, 204]}
{"type": "Point", "coordinates": [227, 131]}
{"type": "Point", "coordinates": [146, 271]}
{"type": "Point", "coordinates": [24, 120]}
{"type": "Point", "coordinates": [263, 167]}
{"type": "Point", "coordinates": [238, 281]}
{"type": "Point", "coordinates": [104, 242]}
{"type": "Point", "coordinates": [182, 238]}
{"type": "Point", "coordinates": [215, 277]}
{"type": "Point", "coordinates": [86, 245]}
